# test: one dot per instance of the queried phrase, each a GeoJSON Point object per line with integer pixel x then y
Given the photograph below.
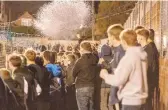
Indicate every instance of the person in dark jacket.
{"type": "Point", "coordinates": [118, 52]}
{"type": "Point", "coordinates": [8, 96]}
{"type": "Point", "coordinates": [153, 64]}
{"type": "Point", "coordinates": [2, 95]}
{"type": "Point", "coordinates": [104, 61]}
{"type": "Point", "coordinates": [17, 84]}
{"type": "Point", "coordinates": [156, 56]}
{"type": "Point", "coordinates": [57, 91]}
{"type": "Point", "coordinates": [45, 84]}
{"type": "Point", "coordinates": [84, 72]}
{"type": "Point", "coordinates": [39, 74]}
{"type": "Point", "coordinates": [71, 103]}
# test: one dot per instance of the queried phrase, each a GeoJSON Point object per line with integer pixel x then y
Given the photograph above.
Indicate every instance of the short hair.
{"type": "Point", "coordinates": [151, 34]}
{"type": "Point", "coordinates": [129, 36]}
{"type": "Point", "coordinates": [15, 60]}
{"type": "Point", "coordinates": [143, 32]}
{"type": "Point", "coordinates": [86, 46]}
{"type": "Point", "coordinates": [69, 48]}
{"type": "Point", "coordinates": [39, 61]}
{"type": "Point", "coordinates": [30, 55]}
{"type": "Point", "coordinates": [138, 27]}
{"type": "Point", "coordinates": [52, 57]}
{"type": "Point", "coordinates": [71, 57]}
{"type": "Point", "coordinates": [4, 73]}
{"type": "Point", "coordinates": [43, 48]}
{"type": "Point", "coordinates": [46, 55]}
{"type": "Point", "coordinates": [20, 50]}
{"type": "Point", "coordinates": [115, 30]}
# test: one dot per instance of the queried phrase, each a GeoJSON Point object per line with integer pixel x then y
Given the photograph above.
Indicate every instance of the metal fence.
{"type": "Point", "coordinates": [151, 14]}
{"type": "Point", "coordinates": [154, 14]}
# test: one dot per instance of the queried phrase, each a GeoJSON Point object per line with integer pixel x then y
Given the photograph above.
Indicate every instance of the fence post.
{"type": "Point", "coordinates": [161, 33]}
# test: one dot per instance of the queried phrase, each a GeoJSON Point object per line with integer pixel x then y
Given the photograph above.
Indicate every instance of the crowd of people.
{"type": "Point", "coordinates": [121, 74]}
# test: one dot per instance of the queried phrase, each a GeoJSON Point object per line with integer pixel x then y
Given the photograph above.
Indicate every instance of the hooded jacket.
{"type": "Point", "coordinates": [7, 99]}
{"type": "Point", "coordinates": [86, 70]}
{"type": "Point", "coordinates": [131, 77]}
{"type": "Point", "coordinates": [16, 84]}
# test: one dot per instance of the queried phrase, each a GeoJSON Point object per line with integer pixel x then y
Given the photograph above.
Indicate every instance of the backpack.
{"type": "Point", "coordinates": [57, 83]}
{"type": "Point", "coordinates": [35, 87]}
{"type": "Point", "coordinates": [11, 101]}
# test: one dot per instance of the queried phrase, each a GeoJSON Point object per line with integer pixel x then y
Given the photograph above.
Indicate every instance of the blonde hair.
{"type": "Point", "coordinates": [86, 46]}
{"type": "Point", "coordinates": [115, 30]}
{"type": "Point", "coordinates": [5, 73]}
{"type": "Point", "coordinates": [30, 54]}
{"type": "Point", "coordinates": [129, 36]}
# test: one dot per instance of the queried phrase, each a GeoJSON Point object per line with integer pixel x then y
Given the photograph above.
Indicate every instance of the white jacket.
{"type": "Point", "coordinates": [131, 77]}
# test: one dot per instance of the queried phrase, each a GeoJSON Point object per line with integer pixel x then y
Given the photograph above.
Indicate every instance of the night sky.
{"type": "Point", "coordinates": [19, 7]}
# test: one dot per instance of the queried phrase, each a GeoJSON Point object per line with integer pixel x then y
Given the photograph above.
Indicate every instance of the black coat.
{"type": "Point", "coordinates": [2, 95]}
{"type": "Point", "coordinates": [69, 75]}
{"type": "Point", "coordinates": [16, 85]}
{"type": "Point", "coordinates": [9, 99]}
{"type": "Point", "coordinates": [85, 70]}
{"type": "Point", "coordinates": [153, 65]}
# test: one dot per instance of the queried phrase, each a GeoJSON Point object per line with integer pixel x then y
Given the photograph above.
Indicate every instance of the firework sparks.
{"type": "Point", "coordinates": [60, 19]}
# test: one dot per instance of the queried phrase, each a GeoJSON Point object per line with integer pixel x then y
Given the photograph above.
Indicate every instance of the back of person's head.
{"type": "Point", "coordinates": [52, 57]}
{"type": "Point", "coordinates": [39, 61]}
{"type": "Point", "coordinates": [138, 27]}
{"type": "Point", "coordinates": [15, 60]}
{"type": "Point", "coordinates": [69, 48]}
{"type": "Point", "coordinates": [46, 55]}
{"type": "Point", "coordinates": [20, 50]}
{"type": "Point", "coordinates": [30, 54]}
{"type": "Point", "coordinates": [4, 73]}
{"type": "Point", "coordinates": [43, 48]}
{"type": "Point", "coordinates": [86, 46]}
{"type": "Point", "coordinates": [55, 48]}
{"type": "Point", "coordinates": [71, 58]}
{"type": "Point", "coordinates": [115, 30]}
{"type": "Point", "coordinates": [129, 36]}
{"type": "Point", "coordinates": [151, 34]}
{"type": "Point", "coordinates": [144, 33]}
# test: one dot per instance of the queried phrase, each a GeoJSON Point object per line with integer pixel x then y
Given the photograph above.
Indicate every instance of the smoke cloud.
{"type": "Point", "coordinates": [61, 19]}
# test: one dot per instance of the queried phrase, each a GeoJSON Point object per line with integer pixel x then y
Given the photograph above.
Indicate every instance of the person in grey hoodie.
{"type": "Point", "coordinates": [131, 74]}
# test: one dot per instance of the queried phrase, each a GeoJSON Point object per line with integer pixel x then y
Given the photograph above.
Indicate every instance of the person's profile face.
{"type": "Point", "coordinates": [111, 40]}
{"type": "Point", "coordinates": [139, 38]}
{"type": "Point", "coordinates": [124, 44]}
